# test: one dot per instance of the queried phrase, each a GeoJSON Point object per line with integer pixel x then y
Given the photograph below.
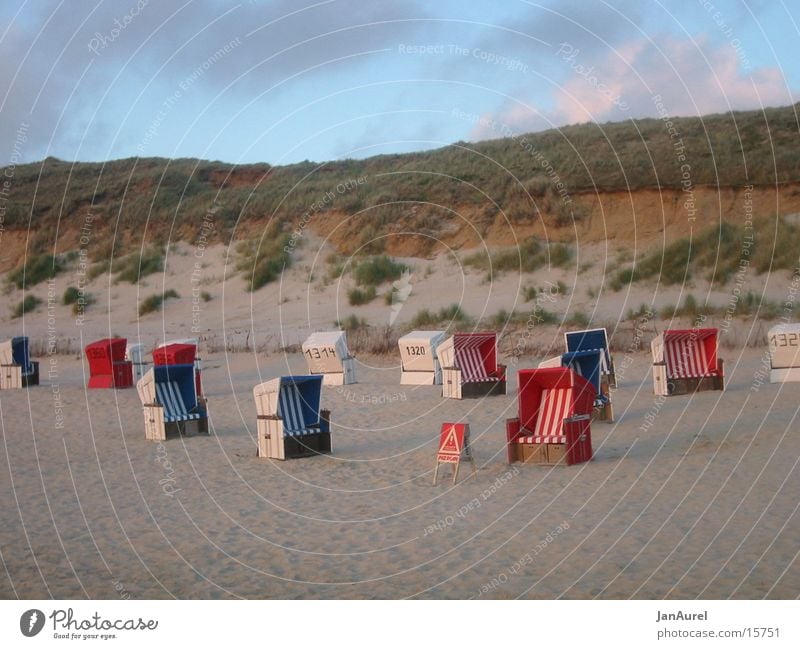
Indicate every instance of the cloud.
{"type": "Point", "coordinates": [99, 58]}
{"type": "Point", "coordinates": [692, 78]}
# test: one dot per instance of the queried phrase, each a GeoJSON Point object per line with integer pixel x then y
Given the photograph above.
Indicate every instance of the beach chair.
{"type": "Point", "coordinates": [593, 340]}
{"type": "Point", "coordinates": [107, 365]}
{"type": "Point", "coordinates": [290, 423]}
{"type": "Point", "coordinates": [17, 370]}
{"type": "Point", "coordinates": [326, 353]}
{"type": "Point", "coordinates": [180, 353]}
{"type": "Point", "coordinates": [784, 353]}
{"type": "Point", "coordinates": [588, 364]}
{"type": "Point", "coordinates": [134, 352]}
{"type": "Point", "coordinates": [553, 425]}
{"type": "Point", "coordinates": [170, 402]}
{"type": "Point", "coordinates": [685, 360]}
{"type": "Point", "coordinates": [469, 366]}
{"type": "Point", "coordinates": [420, 364]}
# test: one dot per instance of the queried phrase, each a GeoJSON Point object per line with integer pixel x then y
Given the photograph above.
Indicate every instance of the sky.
{"type": "Point", "coordinates": [282, 81]}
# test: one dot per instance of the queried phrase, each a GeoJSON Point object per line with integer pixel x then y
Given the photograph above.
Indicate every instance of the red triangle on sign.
{"type": "Point", "coordinates": [451, 445]}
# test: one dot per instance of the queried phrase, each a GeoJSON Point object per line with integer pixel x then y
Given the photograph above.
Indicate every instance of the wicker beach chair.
{"type": "Point", "coordinates": [290, 422]}
{"type": "Point", "coordinates": [170, 402]}
{"type": "Point", "coordinates": [418, 356]}
{"type": "Point", "coordinates": [107, 365]}
{"type": "Point", "coordinates": [685, 360]}
{"type": "Point", "coordinates": [553, 425]}
{"type": "Point", "coordinates": [469, 366]}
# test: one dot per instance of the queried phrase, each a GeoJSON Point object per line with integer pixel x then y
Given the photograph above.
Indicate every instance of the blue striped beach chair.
{"type": "Point", "coordinates": [290, 421]}
{"type": "Point", "coordinates": [170, 402]}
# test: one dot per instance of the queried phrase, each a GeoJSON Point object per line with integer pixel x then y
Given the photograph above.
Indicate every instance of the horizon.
{"type": "Point", "coordinates": [270, 83]}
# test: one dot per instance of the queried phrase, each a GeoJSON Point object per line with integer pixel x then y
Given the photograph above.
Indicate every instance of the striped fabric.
{"type": "Point", "coordinates": [603, 361]}
{"type": "Point", "coordinates": [553, 409]}
{"type": "Point", "coordinates": [547, 439]}
{"type": "Point", "coordinates": [469, 359]}
{"type": "Point", "coordinates": [685, 356]}
{"type": "Point", "coordinates": [168, 394]}
{"type": "Point", "coordinates": [290, 409]}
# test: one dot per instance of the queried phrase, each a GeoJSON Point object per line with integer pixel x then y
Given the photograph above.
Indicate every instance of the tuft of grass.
{"type": "Point", "coordinates": [262, 260]}
{"type": "Point", "coordinates": [446, 315]}
{"type": "Point", "coordinates": [26, 305]}
{"type": "Point", "coordinates": [131, 268]}
{"type": "Point", "coordinates": [357, 296]}
{"type": "Point", "coordinates": [35, 269]}
{"type": "Point", "coordinates": [529, 256]}
{"type": "Point", "coordinates": [71, 295]}
{"type": "Point", "coordinates": [154, 302]}
{"type": "Point", "coordinates": [578, 319]}
{"type": "Point", "coordinates": [374, 271]}
{"type": "Point", "coordinates": [351, 323]}
{"type": "Point", "coordinates": [205, 296]}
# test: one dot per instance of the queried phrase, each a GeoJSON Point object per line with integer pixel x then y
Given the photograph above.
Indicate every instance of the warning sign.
{"type": "Point", "coordinates": [453, 446]}
{"type": "Point", "coordinates": [451, 441]}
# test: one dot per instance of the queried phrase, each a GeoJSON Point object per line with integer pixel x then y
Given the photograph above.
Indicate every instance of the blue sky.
{"type": "Point", "coordinates": [280, 81]}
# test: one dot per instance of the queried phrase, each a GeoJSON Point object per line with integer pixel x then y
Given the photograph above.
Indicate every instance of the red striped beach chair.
{"type": "Point", "coordinates": [554, 422]}
{"type": "Point", "coordinates": [685, 360]}
{"type": "Point", "coordinates": [469, 366]}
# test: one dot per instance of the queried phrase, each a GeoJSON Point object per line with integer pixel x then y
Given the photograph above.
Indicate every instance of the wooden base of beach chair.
{"type": "Point", "coordinates": [669, 387]}
{"type": "Point", "coordinates": [158, 430]}
{"type": "Point", "coordinates": [579, 451]}
{"type": "Point", "coordinates": [10, 377]}
{"type": "Point", "coordinates": [784, 375]}
{"type": "Point", "coordinates": [275, 445]}
{"type": "Point", "coordinates": [419, 378]}
{"type": "Point", "coordinates": [453, 388]}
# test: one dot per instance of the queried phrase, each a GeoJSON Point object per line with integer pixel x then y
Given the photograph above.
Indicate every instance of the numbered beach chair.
{"type": "Point", "coordinates": [134, 352]}
{"type": "Point", "coordinates": [107, 365]}
{"type": "Point", "coordinates": [170, 402]}
{"type": "Point", "coordinates": [420, 363]}
{"type": "Point", "coordinates": [17, 370]}
{"type": "Point", "coordinates": [180, 353]}
{"type": "Point", "coordinates": [553, 425]}
{"type": "Point", "coordinates": [685, 360]}
{"type": "Point", "coordinates": [784, 353]}
{"type": "Point", "coordinates": [469, 366]}
{"type": "Point", "coordinates": [290, 423]}
{"type": "Point", "coordinates": [588, 364]}
{"type": "Point", "coordinates": [326, 353]}
{"type": "Point", "coordinates": [593, 340]}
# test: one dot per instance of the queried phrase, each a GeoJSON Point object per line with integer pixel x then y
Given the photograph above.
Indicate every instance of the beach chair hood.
{"type": "Point", "coordinates": [295, 399]}
{"type": "Point", "coordinates": [687, 353]}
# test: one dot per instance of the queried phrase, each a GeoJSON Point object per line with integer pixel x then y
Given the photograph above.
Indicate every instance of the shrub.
{"type": "Point", "coordinates": [357, 296]}
{"type": "Point", "coordinates": [351, 323]}
{"type": "Point", "coordinates": [154, 302]}
{"type": "Point", "coordinates": [131, 268]}
{"type": "Point", "coordinates": [578, 319]}
{"type": "Point", "coordinates": [205, 296]}
{"type": "Point", "coordinates": [377, 270]}
{"type": "Point", "coordinates": [262, 261]}
{"type": "Point", "coordinates": [449, 314]}
{"type": "Point", "coordinates": [34, 270]}
{"type": "Point", "coordinates": [71, 295]}
{"type": "Point", "coordinates": [26, 305]}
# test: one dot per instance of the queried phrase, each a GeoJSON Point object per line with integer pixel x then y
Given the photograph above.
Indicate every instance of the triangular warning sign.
{"type": "Point", "coordinates": [450, 445]}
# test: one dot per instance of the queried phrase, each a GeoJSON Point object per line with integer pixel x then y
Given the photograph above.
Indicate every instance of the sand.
{"type": "Point", "coordinates": [702, 502]}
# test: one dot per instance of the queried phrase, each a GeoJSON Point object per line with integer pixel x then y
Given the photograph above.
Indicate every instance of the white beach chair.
{"type": "Point", "coordinates": [418, 356]}
{"type": "Point", "coordinates": [326, 353]}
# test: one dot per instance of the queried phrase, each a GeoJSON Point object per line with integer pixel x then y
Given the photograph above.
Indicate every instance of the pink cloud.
{"type": "Point", "coordinates": [691, 76]}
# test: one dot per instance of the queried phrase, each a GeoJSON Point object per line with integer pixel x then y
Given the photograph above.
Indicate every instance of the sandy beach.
{"type": "Point", "coordinates": [700, 503]}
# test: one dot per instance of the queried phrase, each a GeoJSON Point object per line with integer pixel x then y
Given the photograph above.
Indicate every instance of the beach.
{"type": "Point", "coordinates": [686, 497]}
